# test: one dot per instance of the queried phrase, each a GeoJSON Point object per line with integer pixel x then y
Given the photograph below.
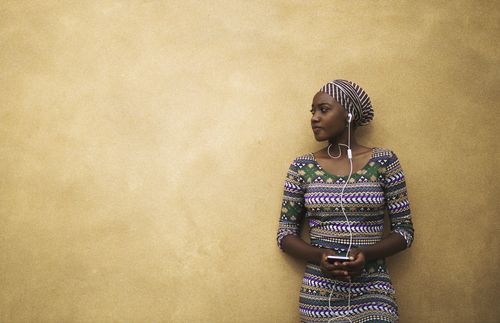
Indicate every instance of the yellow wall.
{"type": "Point", "coordinates": [144, 146]}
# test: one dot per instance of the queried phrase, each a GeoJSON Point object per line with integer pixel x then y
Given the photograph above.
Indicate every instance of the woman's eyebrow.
{"type": "Point", "coordinates": [321, 103]}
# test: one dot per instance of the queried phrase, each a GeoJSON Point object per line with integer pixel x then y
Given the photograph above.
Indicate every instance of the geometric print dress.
{"type": "Point", "coordinates": [312, 194]}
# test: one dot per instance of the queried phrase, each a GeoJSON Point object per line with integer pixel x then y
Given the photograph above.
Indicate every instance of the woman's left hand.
{"type": "Point", "coordinates": [355, 266]}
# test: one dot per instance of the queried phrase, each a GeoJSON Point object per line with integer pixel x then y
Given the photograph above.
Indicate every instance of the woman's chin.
{"type": "Point", "coordinates": [320, 138]}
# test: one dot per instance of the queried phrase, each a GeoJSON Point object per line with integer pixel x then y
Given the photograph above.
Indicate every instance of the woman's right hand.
{"type": "Point", "coordinates": [336, 270]}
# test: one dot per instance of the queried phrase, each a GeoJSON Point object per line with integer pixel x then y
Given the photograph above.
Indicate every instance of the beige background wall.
{"type": "Point", "coordinates": [144, 146]}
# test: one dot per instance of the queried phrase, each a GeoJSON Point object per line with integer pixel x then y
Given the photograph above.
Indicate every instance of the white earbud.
{"type": "Point", "coordinates": [349, 117]}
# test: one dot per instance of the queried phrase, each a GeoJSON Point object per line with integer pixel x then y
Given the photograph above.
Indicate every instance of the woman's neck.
{"type": "Point", "coordinates": [343, 142]}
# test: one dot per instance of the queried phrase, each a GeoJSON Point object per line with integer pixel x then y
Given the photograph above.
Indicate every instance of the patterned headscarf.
{"type": "Point", "coordinates": [352, 97]}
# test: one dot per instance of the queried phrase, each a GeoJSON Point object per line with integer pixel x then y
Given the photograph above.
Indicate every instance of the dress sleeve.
{"type": "Point", "coordinates": [292, 208]}
{"type": "Point", "coordinates": [396, 197]}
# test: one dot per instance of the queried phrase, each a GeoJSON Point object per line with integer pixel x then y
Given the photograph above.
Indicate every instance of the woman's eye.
{"type": "Point", "coordinates": [324, 110]}
{"type": "Point", "coordinates": [312, 111]}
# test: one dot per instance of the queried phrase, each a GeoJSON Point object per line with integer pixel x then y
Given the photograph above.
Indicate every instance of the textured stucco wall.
{"type": "Point", "coordinates": [144, 146]}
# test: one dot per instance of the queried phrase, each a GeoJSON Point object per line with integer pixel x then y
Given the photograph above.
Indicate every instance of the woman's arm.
{"type": "Point", "coordinates": [292, 215]}
{"type": "Point", "coordinates": [298, 248]}
{"type": "Point", "coordinates": [388, 246]}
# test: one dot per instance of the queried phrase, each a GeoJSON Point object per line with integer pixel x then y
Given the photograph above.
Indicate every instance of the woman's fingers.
{"type": "Point", "coordinates": [356, 273]}
{"type": "Point", "coordinates": [341, 273]}
{"type": "Point", "coordinates": [354, 265]}
{"type": "Point", "coordinates": [337, 273]}
{"type": "Point", "coordinates": [342, 270]}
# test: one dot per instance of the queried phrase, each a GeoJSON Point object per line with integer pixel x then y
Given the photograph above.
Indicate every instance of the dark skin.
{"type": "Point", "coordinates": [329, 120]}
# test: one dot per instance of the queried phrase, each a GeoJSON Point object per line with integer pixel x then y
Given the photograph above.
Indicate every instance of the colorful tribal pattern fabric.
{"type": "Point", "coordinates": [313, 194]}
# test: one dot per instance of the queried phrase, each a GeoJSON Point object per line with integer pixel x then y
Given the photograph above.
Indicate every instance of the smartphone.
{"type": "Point", "coordinates": [332, 259]}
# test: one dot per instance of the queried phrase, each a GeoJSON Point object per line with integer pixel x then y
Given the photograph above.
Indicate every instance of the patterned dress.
{"type": "Point", "coordinates": [313, 194]}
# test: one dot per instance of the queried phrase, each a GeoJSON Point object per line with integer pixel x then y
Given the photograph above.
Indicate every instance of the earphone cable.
{"type": "Point", "coordinates": [349, 156]}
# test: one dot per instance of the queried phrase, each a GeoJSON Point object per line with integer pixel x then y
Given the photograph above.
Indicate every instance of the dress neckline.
{"type": "Point", "coordinates": [345, 176]}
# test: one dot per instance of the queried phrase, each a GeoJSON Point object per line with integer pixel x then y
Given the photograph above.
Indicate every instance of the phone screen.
{"type": "Point", "coordinates": [332, 259]}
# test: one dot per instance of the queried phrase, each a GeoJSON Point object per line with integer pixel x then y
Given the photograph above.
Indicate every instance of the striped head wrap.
{"type": "Point", "coordinates": [353, 98]}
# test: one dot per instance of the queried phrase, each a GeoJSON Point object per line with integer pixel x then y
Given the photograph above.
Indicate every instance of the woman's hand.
{"type": "Point", "coordinates": [356, 265]}
{"type": "Point", "coordinates": [336, 270]}
{"type": "Point", "coordinates": [343, 270]}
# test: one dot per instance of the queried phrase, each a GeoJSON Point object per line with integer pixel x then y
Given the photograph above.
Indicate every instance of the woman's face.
{"type": "Point", "coordinates": [328, 117]}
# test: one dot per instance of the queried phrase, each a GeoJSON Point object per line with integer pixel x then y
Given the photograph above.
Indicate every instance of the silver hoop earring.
{"type": "Point", "coordinates": [328, 151]}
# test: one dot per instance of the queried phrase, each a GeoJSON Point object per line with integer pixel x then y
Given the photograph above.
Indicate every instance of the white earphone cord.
{"type": "Point", "coordinates": [349, 156]}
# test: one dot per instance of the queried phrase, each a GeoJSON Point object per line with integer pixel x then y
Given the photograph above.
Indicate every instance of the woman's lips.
{"type": "Point", "coordinates": [317, 129]}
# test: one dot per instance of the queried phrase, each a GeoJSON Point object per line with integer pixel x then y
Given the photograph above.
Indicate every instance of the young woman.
{"type": "Point", "coordinates": [343, 192]}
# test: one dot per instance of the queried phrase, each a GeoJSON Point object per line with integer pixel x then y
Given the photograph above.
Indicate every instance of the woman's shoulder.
{"type": "Point", "coordinates": [382, 153]}
{"type": "Point", "coordinates": [385, 158]}
{"type": "Point", "coordinates": [304, 158]}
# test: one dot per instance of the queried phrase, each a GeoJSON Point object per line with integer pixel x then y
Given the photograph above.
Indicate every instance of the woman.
{"type": "Point", "coordinates": [343, 191]}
